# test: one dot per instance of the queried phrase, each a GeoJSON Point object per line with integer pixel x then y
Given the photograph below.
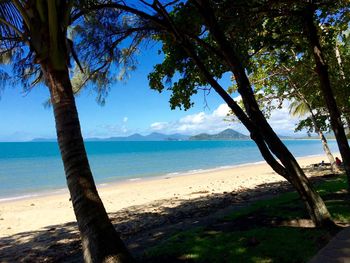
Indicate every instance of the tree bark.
{"type": "Point", "coordinates": [347, 118]}
{"type": "Point", "coordinates": [322, 71]}
{"type": "Point", "coordinates": [100, 241]}
{"type": "Point", "coordinates": [339, 60]}
{"type": "Point", "coordinates": [290, 169]}
{"type": "Point", "coordinates": [323, 139]}
{"type": "Point", "coordinates": [313, 202]}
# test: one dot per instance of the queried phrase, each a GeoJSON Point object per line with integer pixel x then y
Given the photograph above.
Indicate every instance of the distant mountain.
{"type": "Point", "coordinates": [155, 136]}
{"type": "Point", "coordinates": [225, 135]}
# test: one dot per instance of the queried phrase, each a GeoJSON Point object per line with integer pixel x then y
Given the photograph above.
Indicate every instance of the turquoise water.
{"type": "Point", "coordinates": [34, 167]}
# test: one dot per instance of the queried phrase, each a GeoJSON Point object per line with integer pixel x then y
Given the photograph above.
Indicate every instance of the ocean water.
{"type": "Point", "coordinates": [32, 168]}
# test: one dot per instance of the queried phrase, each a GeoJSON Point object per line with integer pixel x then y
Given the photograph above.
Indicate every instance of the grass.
{"type": "Point", "coordinates": [245, 235]}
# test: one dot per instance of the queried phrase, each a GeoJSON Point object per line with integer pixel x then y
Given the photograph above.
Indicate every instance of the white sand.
{"type": "Point", "coordinates": [35, 213]}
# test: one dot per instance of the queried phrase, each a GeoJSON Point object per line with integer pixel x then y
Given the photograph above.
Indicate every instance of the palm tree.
{"type": "Point", "coordinates": [299, 108]}
{"type": "Point", "coordinates": [37, 30]}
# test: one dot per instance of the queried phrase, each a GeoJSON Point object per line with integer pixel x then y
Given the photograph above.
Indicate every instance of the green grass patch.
{"type": "Point", "coordinates": [247, 241]}
{"type": "Point", "coordinates": [287, 206]}
{"type": "Point", "coordinates": [283, 244]}
{"type": "Point", "coordinates": [332, 186]}
{"type": "Point", "coordinates": [336, 198]}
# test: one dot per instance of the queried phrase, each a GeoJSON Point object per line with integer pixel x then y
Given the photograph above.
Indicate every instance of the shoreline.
{"type": "Point", "coordinates": [36, 213]}
{"type": "Point", "coordinates": [64, 190]}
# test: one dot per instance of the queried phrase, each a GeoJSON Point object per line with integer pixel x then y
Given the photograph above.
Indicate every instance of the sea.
{"type": "Point", "coordinates": [30, 169]}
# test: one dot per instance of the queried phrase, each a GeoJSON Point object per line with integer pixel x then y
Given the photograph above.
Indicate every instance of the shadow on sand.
{"type": "Point", "coordinates": [140, 226]}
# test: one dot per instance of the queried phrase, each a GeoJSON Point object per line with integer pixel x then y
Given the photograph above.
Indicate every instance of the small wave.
{"type": "Point", "coordinates": [17, 197]}
{"type": "Point", "coordinates": [175, 173]}
{"type": "Point", "coordinates": [134, 179]}
{"type": "Point", "coordinates": [195, 171]}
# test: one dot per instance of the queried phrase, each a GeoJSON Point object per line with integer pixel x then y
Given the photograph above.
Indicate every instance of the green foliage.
{"type": "Point", "coordinates": [284, 68]}
{"type": "Point", "coordinates": [106, 42]}
{"type": "Point", "coordinates": [251, 243]}
{"type": "Point", "coordinates": [308, 124]}
{"type": "Point", "coordinates": [98, 42]}
{"type": "Point", "coordinates": [178, 73]}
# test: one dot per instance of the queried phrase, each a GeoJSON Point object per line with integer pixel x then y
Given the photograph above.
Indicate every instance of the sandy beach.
{"type": "Point", "coordinates": [40, 212]}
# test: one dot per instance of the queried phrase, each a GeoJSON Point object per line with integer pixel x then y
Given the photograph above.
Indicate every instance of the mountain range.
{"type": "Point", "coordinates": [226, 135]}
{"type": "Point", "coordinates": [155, 136]}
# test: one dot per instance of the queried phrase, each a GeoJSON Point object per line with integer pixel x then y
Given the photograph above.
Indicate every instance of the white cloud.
{"type": "Point", "coordinates": [216, 121]}
{"type": "Point", "coordinates": [221, 111]}
{"type": "Point", "coordinates": [281, 121]}
{"type": "Point", "coordinates": [198, 118]}
{"type": "Point", "coordinates": [158, 126]}
{"type": "Point", "coordinates": [201, 122]}
{"type": "Point", "coordinates": [125, 119]}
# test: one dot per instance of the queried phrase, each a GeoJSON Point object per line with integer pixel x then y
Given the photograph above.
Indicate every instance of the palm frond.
{"type": "Point", "coordinates": [298, 108]}
{"type": "Point", "coordinates": [11, 22]}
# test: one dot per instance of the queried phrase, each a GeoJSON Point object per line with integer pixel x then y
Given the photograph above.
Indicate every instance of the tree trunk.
{"type": "Point", "coordinates": [322, 71]}
{"type": "Point", "coordinates": [328, 152]}
{"type": "Point", "coordinates": [339, 60]}
{"type": "Point", "coordinates": [295, 175]}
{"type": "Point", "coordinates": [325, 146]}
{"type": "Point", "coordinates": [347, 118]}
{"type": "Point", "coordinates": [100, 241]}
{"type": "Point", "coordinates": [290, 169]}
{"type": "Point", "coordinates": [323, 139]}
{"type": "Point", "coordinates": [313, 202]}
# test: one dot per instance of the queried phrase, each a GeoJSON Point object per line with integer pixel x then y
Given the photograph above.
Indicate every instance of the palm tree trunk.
{"type": "Point", "coordinates": [347, 118]}
{"type": "Point", "coordinates": [328, 152]}
{"type": "Point", "coordinates": [339, 60]}
{"type": "Point", "coordinates": [323, 139]}
{"type": "Point", "coordinates": [325, 146]}
{"type": "Point", "coordinates": [100, 241]}
{"type": "Point", "coordinates": [326, 89]}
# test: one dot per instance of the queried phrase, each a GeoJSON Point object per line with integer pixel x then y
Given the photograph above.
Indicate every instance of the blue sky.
{"type": "Point", "coordinates": [131, 107]}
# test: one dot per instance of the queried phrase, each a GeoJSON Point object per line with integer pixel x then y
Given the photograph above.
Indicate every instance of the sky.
{"type": "Point", "coordinates": [131, 107]}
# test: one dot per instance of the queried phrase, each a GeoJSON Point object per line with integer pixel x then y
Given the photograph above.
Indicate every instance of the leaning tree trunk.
{"type": "Point", "coordinates": [317, 128]}
{"type": "Point", "coordinates": [326, 89]}
{"type": "Point", "coordinates": [328, 152]}
{"type": "Point", "coordinates": [323, 139]}
{"type": "Point", "coordinates": [100, 241]}
{"type": "Point", "coordinates": [290, 169]}
{"type": "Point", "coordinates": [347, 118]}
{"type": "Point", "coordinates": [312, 200]}
{"type": "Point", "coordinates": [325, 146]}
{"type": "Point", "coordinates": [295, 175]}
